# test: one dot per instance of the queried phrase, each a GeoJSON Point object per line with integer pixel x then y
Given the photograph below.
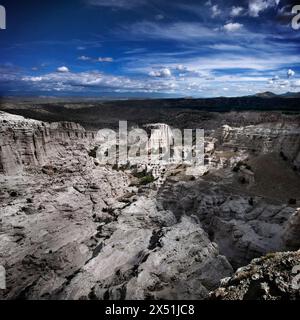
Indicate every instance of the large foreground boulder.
{"type": "Point", "coordinates": [273, 277]}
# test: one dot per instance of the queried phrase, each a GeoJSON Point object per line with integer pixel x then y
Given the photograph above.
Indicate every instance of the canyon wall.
{"type": "Point", "coordinates": [265, 138]}
{"type": "Point", "coordinates": [73, 229]}
{"type": "Point", "coordinates": [27, 143]}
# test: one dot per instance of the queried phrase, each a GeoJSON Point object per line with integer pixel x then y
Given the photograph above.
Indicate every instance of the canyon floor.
{"type": "Point", "coordinates": [71, 228]}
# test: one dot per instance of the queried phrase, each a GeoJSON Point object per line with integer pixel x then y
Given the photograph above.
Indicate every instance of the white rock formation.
{"type": "Point", "coordinates": [29, 143]}
{"type": "Point", "coordinates": [265, 138]}
{"type": "Point", "coordinates": [73, 229]}
{"type": "Point", "coordinates": [150, 255]}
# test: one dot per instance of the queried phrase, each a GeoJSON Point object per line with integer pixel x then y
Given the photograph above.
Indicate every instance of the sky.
{"type": "Point", "coordinates": [148, 48]}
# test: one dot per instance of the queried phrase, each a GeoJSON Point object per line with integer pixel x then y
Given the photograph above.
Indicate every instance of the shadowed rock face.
{"type": "Point", "coordinates": [291, 234]}
{"type": "Point", "coordinates": [242, 228]}
{"type": "Point", "coordinates": [265, 138]}
{"type": "Point", "coordinates": [72, 229]}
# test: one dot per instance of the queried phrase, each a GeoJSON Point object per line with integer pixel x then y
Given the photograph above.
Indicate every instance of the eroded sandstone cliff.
{"type": "Point", "coordinates": [73, 229]}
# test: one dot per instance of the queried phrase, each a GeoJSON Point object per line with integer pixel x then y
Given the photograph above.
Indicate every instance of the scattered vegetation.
{"type": "Point", "coordinates": [140, 174]}
{"type": "Point", "coordinates": [144, 177]}
{"type": "Point", "coordinates": [147, 179]}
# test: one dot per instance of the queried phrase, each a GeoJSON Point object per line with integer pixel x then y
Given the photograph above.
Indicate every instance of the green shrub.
{"type": "Point", "coordinates": [146, 180]}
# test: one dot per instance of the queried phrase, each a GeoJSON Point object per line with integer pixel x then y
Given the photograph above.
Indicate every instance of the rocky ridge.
{"type": "Point", "coordinates": [272, 277]}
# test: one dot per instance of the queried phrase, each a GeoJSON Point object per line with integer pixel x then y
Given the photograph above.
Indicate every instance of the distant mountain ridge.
{"type": "Point", "coordinates": [291, 95]}
{"type": "Point", "coordinates": [269, 94]}
{"type": "Point", "coordinates": [266, 94]}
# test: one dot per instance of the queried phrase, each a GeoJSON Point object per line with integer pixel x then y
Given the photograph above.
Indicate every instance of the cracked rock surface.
{"type": "Point", "coordinates": [151, 256]}
{"type": "Point", "coordinates": [272, 277]}
{"type": "Point", "coordinates": [73, 229]}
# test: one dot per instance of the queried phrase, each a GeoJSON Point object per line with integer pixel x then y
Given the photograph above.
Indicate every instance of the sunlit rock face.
{"type": "Point", "coordinates": [74, 228]}
{"type": "Point", "coordinates": [153, 257]}
{"type": "Point", "coordinates": [28, 143]}
{"type": "Point", "coordinates": [161, 136]}
{"type": "Point", "coordinates": [53, 199]}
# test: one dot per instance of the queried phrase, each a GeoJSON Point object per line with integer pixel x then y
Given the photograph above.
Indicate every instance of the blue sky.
{"type": "Point", "coordinates": [148, 48]}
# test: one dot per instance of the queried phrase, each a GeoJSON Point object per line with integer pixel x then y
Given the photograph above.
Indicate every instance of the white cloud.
{"type": "Point", "coordinates": [258, 6]}
{"type": "Point", "coordinates": [261, 63]}
{"type": "Point", "coordinates": [236, 11]}
{"type": "Point", "coordinates": [290, 73]}
{"type": "Point", "coordinates": [63, 69]}
{"type": "Point", "coordinates": [33, 79]}
{"type": "Point", "coordinates": [284, 83]}
{"type": "Point", "coordinates": [215, 11]}
{"type": "Point", "coordinates": [296, 84]}
{"type": "Point", "coordinates": [105, 59]}
{"type": "Point", "coordinates": [84, 58]}
{"type": "Point", "coordinates": [76, 81]}
{"type": "Point", "coordinates": [98, 82]}
{"type": "Point", "coordinates": [101, 59]}
{"type": "Point", "coordinates": [180, 67]}
{"type": "Point", "coordinates": [163, 73]}
{"type": "Point", "coordinates": [186, 71]}
{"type": "Point", "coordinates": [232, 27]}
{"type": "Point", "coordinates": [226, 47]}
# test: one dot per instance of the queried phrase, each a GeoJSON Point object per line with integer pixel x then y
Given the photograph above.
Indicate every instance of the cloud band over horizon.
{"type": "Point", "coordinates": [201, 49]}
